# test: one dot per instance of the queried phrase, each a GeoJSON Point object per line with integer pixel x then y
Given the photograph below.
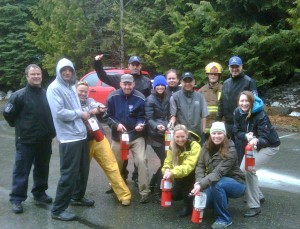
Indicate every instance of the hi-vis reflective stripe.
{"type": "Point", "coordinates": [219, 95]}
{"type": "Point", "coordinates": [212, 109]}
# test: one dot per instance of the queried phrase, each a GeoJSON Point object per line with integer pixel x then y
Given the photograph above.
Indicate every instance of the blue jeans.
{"type": "Point", "coordinates": [218, 194]}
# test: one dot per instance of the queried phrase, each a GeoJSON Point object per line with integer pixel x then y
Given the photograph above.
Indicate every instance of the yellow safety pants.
{"type": "Point", "coordinates": [102, 153]}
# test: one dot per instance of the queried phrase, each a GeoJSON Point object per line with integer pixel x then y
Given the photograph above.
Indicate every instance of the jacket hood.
{"type": "Point", "coordinates": [258, 105]}
{"type": "Point", "coordinates": [65, 63]}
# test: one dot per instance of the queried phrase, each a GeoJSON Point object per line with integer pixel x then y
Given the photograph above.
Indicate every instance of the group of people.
{"type": "Point", "coordinates": [205, 154]}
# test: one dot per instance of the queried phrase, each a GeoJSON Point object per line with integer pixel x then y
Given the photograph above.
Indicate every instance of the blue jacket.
{"type": "Point", "coordinates": [125, 109]}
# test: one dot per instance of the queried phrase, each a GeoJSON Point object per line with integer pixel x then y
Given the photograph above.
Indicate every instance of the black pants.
{"type": "Point", "coordinates": [27, 155]}
{"type": "Point", "coordinates": [183, 186]}
{"type": "Point", "coordinates": [74, 172]}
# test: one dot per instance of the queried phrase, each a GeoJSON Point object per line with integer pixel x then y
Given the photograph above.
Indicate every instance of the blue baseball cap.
{"type": "Point", "coordinates": [235, 60]}
{"type": "Point", "coordinates": [134, 59]}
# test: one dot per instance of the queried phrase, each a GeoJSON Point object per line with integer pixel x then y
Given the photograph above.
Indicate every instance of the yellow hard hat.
{"type": "Point", "coordinates": [213, 67]}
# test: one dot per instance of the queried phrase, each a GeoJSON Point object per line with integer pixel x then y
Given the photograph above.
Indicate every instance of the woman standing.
{"type": "Point", "coordinates": [180, 166]}
{"type": "Point", "coordinates": [218, 174]}
{"type": "Point", "coordinates": [157, 114]}
{"type": "Point", "coordinates": [252, 126]}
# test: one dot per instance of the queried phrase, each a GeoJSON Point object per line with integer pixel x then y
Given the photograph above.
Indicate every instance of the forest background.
{"type": "Point", "coordinates": [185, 35]}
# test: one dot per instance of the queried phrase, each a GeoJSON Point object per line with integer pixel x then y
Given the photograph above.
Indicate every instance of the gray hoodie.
{"type": "Point", "coordinates": [65, 106]}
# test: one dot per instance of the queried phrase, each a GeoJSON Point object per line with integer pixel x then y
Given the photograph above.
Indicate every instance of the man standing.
{"type": "Point", "coordinates": [231, 89]}
{"type": "Point", "coordinates": [72, 136]}
{"type": "Point", "coordinates": [188, 107]}
{"type": "Point", "coordinates": [28, 111]}
{"type": "Point", "coordinates": [173, 82]}
{"type": "Point", "coordinates": [126, 114]}
{"type": "Point", "coordinates": [141, 82]}
{"type": "Point", "coordinates": [212, 91]}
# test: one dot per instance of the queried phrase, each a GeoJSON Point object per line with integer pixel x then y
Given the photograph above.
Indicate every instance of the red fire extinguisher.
{"type": "Point", "coordinates": [94, 129]}
{"type": "Point", "coordinates": [199, 205]}
{"type": "Point", "coordinates": [249, 158]}
{"type": "Point", "coordinates": [124, 146]}
{"type": "Point", "coordinates": [166, 194]}
{"type": "Point", "coordinates": [168, 138]}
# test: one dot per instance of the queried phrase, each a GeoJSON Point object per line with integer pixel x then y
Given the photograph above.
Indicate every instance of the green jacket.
{"type": "Point", "coordinates": [186, 163]}
{"type": "Point", "coordinates": [211, 168]}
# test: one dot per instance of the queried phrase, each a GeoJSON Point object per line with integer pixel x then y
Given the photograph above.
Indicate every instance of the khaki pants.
{"type": "Point", "coordinates": [103, 154]}
{"type": "Point", "coordinates": [137, 147]}
{"type": "Point", "coordinates": [253, 193]}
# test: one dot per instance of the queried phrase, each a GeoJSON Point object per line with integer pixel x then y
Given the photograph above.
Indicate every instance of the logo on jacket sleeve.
{"type": "Point", "coordinates": [8, 107]}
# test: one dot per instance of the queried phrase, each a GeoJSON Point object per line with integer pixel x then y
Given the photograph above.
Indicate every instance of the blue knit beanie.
{"type": "Point", "coordinates": [159, 80]}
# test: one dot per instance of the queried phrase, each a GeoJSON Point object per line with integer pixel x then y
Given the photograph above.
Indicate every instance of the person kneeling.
{"type": "Point", "coordinates": [180, 166]}
{"type": "Point", "coordinates": [218, 174]}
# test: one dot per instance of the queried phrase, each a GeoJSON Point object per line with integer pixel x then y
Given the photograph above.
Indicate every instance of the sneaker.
{"type": "Point", "coordinates": [125, 202]}
{"type": "Point", "coordinates": [145, 199]}
{"type": "Point", "coordinates": [252, 212]}
{"type": "Point", "coordinates": [220, 225]}
{"type": "Point", "coordinates": [83, 202]}
{"type": "Point", "coordinates": [17, 208]}
{"type": "Point", "coordinates": [43, 199]}
{"type": "Point", "coordinates": [64, 216]}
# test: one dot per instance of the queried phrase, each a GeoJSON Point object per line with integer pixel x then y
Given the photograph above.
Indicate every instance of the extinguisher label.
{"type": "Point", "coordinates": [168, 203]}
{"type": "Point", "coordinates": [125, 138]}
{"type": "Point", "coordinates": [250, 154]}
{"type": "Point", "coordinates": [167, 185]}
{"type": "Point", "coordinates": [200, 201]}
{"type": "Point", "coordinates": [93, 123]}
{"type": "Point", "coordinates": [168, 137]}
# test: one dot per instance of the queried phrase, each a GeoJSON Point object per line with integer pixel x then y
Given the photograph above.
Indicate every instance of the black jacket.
{"type": "Point", "coordinates": [157, 113]}
{"type": "Point", "coordinates": [28, 111]}
{"type": "Point", "coordinates": [142, 83]}
{"type": "Point", "coordinates": [258, 123]}
{"type": "Point", "coordinates": [171, 90]}
{"type": "Point", "coordinates": [231, 89]}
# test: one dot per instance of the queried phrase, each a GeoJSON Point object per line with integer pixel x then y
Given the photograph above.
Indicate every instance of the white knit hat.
{"type": "Point", "coordinates": [218, 126]}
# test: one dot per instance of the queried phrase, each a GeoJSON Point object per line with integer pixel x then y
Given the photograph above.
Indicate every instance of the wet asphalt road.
{"type": "Point", "coordinates": [279, 181]}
